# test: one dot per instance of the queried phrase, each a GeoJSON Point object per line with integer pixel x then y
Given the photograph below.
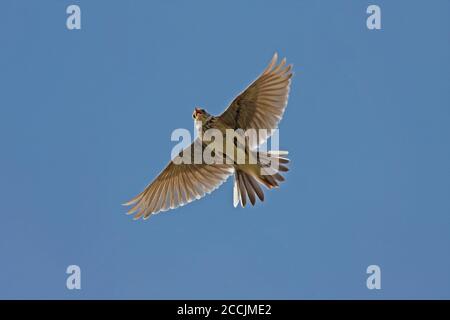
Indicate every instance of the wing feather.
{"type": "Point", "coordinates": [262, 104]}
{"type": "Point", "coordinates": [177, 185]}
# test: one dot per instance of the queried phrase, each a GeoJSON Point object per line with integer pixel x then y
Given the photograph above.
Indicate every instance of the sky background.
{"type": "Point", "coordinates": [84, 126]}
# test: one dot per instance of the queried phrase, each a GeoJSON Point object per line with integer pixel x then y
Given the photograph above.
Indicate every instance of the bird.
{"type": "Point", "coordinates": [260, 106]}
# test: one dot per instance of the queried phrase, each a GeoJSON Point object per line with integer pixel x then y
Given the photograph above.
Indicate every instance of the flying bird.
{"type": "Point", "coordinates": [260, 106]}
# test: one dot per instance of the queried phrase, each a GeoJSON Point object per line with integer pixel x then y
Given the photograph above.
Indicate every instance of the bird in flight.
{"type": "Point", "coordinates": [259, 107]}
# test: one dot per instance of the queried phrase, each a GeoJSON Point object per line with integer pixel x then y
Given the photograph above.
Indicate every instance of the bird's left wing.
{"type": "Point", "coordinates": [262, 104]}
{"type": "Point", "coordinates": [178, 184]}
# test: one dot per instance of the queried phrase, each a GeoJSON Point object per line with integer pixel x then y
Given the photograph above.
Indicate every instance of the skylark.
{"type": "Point", "coordinates": [259, 107]}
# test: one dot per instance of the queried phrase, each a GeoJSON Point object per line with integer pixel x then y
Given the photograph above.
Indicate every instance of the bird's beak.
{"type": "Point", "coordinates": [196, 112]}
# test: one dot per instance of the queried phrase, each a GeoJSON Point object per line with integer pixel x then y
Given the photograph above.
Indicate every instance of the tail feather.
{"type": "Point", "coordinates": [256, 188]}
{"type": "Point", "coordinates": [239, 190]}
{"type": "Point", "coordinates": [249, 189]}
{"type": "Point", "coordinates": [248, 177]}
{"type": "Point", "coordinates": [236, 193]}
{"type": "Point", "coordinates": [279, 177]}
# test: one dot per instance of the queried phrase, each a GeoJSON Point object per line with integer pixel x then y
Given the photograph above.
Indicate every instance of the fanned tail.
{"type": "Point", "coordinates": [248, 177]}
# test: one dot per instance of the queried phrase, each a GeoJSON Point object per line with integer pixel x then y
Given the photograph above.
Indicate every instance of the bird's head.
{"type": "Point", "coordinates": [200, 114]}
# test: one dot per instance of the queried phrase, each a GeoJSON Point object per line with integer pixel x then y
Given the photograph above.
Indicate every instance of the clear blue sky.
{"type": "Point", "coordinates": [84, 126]}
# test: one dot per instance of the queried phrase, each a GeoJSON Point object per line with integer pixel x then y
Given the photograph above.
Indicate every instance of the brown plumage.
{"type": "Point", "coordinates": [260, 106]}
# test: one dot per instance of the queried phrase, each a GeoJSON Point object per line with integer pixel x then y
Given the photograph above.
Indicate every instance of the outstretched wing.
{"type": "Point", "coordinates": [179, 183]}
{"type": "Point", "coordinates": [262, 104]}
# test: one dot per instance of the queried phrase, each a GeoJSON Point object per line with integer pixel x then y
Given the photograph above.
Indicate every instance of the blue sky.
{"type": "Point", "coordinates": [84, 126]}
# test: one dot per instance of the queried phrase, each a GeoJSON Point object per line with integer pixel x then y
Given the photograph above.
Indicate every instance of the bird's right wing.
{"type": "Point", "coordinates": [178, 184]}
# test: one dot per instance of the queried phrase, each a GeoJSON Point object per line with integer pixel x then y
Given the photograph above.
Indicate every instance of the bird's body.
{"type": "Point", "coordinates": [259, 107]}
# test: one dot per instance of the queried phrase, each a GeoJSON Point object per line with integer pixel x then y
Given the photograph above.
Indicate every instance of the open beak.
{"type": "Point", "coordinates": [196, 113]}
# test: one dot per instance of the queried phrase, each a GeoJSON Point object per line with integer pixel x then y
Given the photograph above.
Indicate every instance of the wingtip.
{"type": "Point", "coordinates": [131, 211]}
{"type": "Point", "coordinates": [272, 63]}
{"type": "Point", "coordinates": [125, 204]}
{"type": "Point", "coordinates": [147, 217]}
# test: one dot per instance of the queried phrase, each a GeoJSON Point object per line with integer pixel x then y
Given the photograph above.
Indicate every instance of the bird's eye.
{"type": "Point", "coordinates": [193, 115]}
